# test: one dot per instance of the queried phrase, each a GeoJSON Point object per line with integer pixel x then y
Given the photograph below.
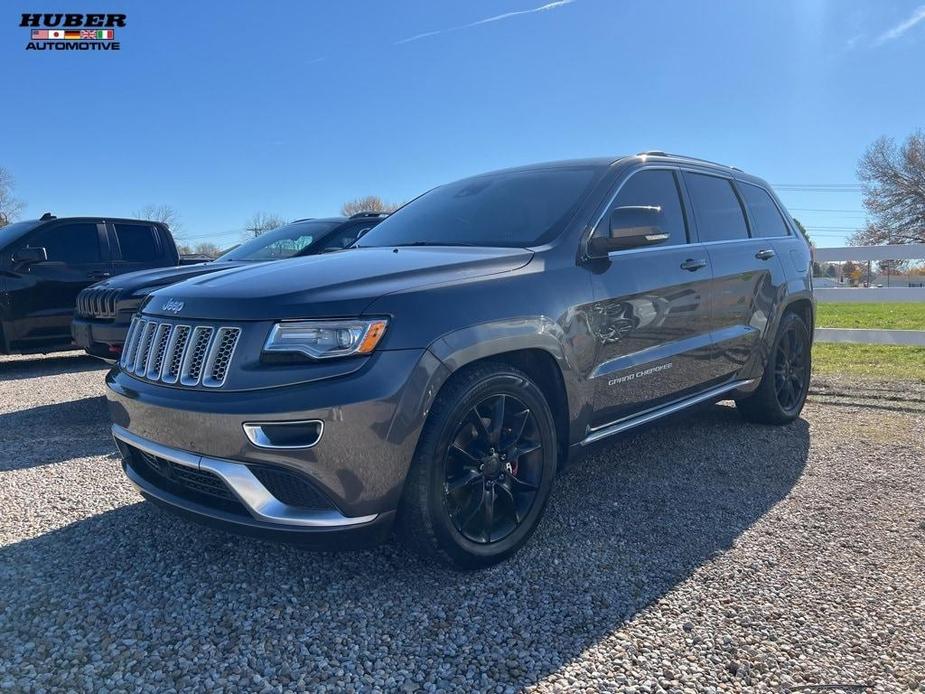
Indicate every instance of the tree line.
{"type": "Point", "coordinates": [892, 179]}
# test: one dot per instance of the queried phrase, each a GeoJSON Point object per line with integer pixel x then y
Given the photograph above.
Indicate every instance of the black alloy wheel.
{"type": "Point", "coordinates": [791, 369]}
{"type": "Point", "coordinates": [781, 393]}
{"type": "Point", "coordinates": [482, 470]}
{"type": "Point", "coordinates": [493, 469]}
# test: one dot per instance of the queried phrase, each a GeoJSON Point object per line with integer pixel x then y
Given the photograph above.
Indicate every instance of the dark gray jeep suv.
{"type": "Point", "coordinates": [434, 378]}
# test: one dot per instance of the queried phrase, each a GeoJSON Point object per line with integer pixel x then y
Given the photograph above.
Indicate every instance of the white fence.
{"type": "Point", "coordinates": [912, 251]}
{"type": "Point", "coordinates": [872, 295]}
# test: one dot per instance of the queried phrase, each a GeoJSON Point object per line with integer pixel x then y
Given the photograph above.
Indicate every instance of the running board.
{"type": "Point", "coordinates": [632, 421]}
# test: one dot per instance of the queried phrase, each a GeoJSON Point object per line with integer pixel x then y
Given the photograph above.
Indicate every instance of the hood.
{"type": "Point", "coordinates": [162, 276]}
{"type": "Point", "coordinates": [339, 284]}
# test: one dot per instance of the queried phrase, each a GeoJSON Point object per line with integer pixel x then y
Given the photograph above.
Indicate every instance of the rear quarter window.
{"type": "Point", "coordinates": [764, 214]}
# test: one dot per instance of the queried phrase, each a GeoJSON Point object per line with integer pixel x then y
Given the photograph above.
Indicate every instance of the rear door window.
{"type": "Point", "coordinates": [137, 241]}
{"type": "Point", "coordinates": [69, 243]}
{"type": "Point", "coordinates": [764, 214]}
{"type": "Point", "coordinates": [717, 209]}
{"type": "Point", "coordinates": [656, 188]}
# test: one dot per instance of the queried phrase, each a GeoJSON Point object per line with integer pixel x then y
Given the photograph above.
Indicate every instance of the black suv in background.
{"type": "Point", "coordinates": [45, 263]}
{"type": "Point", "coordinates": [105, 309]}
{"type": "Point", "coordinates": [435, 378]}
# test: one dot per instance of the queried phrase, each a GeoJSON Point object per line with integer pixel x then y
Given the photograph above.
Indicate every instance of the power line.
{"type": "Point", "coordinates": [817, 185]}
{"type": "Point", "coordinates": [819, 209]}
{"type": "Point", "coordinates": [219, 234]}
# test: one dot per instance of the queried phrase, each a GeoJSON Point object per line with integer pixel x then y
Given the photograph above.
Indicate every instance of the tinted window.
{"type": "Point", "coordinates": [69, 243]}
{"type": "Point", "coordinates": [513, 209]}
{"type": "Point", "coordinates": [137, 241]}
{"type": "Point", "coordinates": [15, 230]}
{"type": "Point", "coordinates": [716, 208]}
{"type": "Point", "coordinates": [342, 238]}
{"type": "Point", "coordinates": [656, 188]}
{"type": "Point", "coordinates": [284, 242]}
{"type": "Point", "coordinates": [765, 217]}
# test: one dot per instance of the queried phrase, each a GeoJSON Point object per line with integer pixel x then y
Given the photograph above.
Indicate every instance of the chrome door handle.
{"type": "Point", "coordinates": [764, 254]}
{"type": "Point", "coordinates": [99, 275]}
{"type": "Point", "coordinates": [693, 264]}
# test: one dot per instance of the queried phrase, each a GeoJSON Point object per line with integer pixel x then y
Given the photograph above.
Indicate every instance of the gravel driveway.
{"type": "Point", "coordinates": [701, 554]}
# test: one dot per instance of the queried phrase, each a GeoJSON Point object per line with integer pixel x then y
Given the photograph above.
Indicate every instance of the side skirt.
{"type": "Point", "coordinates": [647, 416]}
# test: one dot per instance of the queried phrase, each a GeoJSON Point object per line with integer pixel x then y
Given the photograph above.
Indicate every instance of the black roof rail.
{"type": "Point", "coordinates": [307, 219]}
{"type": "Point", "coordinates": [358, 215]}
{"type": "Point", "coordinates": [661, 153]}
{"type": "Point", "coordinates": [45, 217]}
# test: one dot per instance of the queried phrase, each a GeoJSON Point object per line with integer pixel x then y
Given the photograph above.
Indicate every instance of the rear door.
{"type": "Point", "coordinates": [650, 316]}
{"type": "Point", "coordinates": [43, 295]}
{"type": "Point", "coordinates": [748, 278]}
{"type": "Point", "coordinates": [137, 246]}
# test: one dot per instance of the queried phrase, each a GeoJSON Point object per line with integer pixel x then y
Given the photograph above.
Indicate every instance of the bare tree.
{"type": "Point", "coordinates": [161, 213]}
{"type": "Point", "coordinates": [209, 249]}
{"type": "Point", "coordinates": [893, 180]}
{"type": "Point", "coordinates": [10, 206]}
{"type": "Point", "coordinates": [261, 223]}
{"type": "Point", "coordinates": [368, 203]}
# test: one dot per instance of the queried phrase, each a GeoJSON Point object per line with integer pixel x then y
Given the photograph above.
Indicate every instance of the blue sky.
{"type": "Point", "coordinates": [224, 109]}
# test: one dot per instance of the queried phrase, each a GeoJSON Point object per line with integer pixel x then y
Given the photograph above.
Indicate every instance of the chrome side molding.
{"type": "Point", "coordinates": [636, 420]}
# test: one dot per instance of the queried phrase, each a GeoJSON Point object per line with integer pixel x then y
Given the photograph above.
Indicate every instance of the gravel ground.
{"type": "Point", "coordinates": [702, 554]}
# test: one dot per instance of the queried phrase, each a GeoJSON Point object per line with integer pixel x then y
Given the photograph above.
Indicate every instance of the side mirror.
{"type": "Point", "coordinates": [630, 227]}
{"type": "Point", "coordinates": [29, 256]}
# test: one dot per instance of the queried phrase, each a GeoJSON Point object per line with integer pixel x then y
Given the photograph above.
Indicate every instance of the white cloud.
{"type": "Point", "coordinates": [497, 18]}
{"type": "Point", "coordinates": [917, 16]}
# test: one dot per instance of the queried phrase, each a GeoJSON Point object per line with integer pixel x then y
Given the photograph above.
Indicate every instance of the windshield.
{"type": "Point", "coordinates": [516, 209]}
{"type": "Point", "coordinates": [284, 242]}
{"type": "Point", "coordinates": [15, 230]}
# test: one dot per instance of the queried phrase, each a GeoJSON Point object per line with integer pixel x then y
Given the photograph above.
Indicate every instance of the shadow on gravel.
{"type": "Point", "coordinates": [34, 367]}
{"type": "Point", "coordinates": [54, 433]}
{"type": "Point", "coordinates": [623, 527]}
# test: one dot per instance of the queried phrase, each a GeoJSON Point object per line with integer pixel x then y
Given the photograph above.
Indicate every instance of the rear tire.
{"type": "Point", "coordinates": [780, 396]}
{"type": "Point", "coordinates": [482, 471]}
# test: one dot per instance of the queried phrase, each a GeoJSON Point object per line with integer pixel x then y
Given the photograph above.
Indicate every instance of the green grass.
{"type": "Point", "coordinates": [888, 316]}
{"type": "Point", "coordinates": [885, 362]}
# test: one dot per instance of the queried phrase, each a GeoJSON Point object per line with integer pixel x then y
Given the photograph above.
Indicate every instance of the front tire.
{"type": "Point", "coordinates": [780, 396]}
{"type": "Point", "coordinates": [482, 471]}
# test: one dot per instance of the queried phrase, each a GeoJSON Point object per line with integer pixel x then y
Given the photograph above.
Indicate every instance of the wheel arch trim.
{"type": "Point", "coordinates": [535, 333]}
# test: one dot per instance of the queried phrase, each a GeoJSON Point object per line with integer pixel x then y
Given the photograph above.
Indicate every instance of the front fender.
{"type": "Point", "coordinates": [566, 346]}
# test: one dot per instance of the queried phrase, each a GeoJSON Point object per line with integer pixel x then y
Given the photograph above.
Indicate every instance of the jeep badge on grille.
{"type": "Point", "coordinates": [172, 306]}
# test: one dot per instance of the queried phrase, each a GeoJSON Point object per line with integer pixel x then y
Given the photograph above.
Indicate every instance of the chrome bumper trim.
{"type": "Point", "coordinates": [258, 501]}
{"type": "Point", "coordinates": [256, 435]}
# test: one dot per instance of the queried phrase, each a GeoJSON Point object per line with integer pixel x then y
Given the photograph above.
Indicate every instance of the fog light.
{"type": "Point", "coordinates": [297, 434]}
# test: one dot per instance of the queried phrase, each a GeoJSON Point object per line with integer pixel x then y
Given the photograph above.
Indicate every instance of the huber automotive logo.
{"type": "Point", "coordinates": [72, 32]}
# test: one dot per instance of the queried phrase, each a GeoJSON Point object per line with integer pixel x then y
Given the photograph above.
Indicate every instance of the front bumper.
{"type": "Point", "coordinates": [253, 510]}
{"type": "Point", "coordinates": [372, 421]}
{"type": "Point", "coordinates": [103, 339]}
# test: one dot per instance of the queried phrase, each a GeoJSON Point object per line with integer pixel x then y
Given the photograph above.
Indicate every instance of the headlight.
{"type": "Point", "coordinates": [326, 339]}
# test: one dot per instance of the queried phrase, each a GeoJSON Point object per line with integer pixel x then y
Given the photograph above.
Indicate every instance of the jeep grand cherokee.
{"type": "Point", "coordinates": [435, 378]}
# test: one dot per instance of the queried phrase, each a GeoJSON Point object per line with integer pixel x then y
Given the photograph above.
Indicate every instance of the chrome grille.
{"type": "Point", "coordinates": [191, 370]}
{"type": "Point", "coordinates": [171, 353]}
{"type": "Point", "coordinates": [175, 349]}
{"type": "Point", "coordinates": [98, 302]}
{"type": "Point", "coordinates": [217, 364]}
